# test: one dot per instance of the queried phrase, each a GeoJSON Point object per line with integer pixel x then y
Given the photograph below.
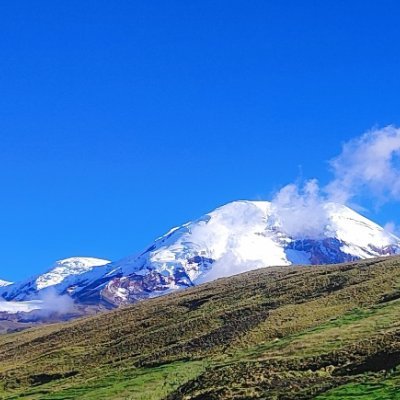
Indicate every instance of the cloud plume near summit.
{"type": "Point", "coordinates": [367, 166]}
{"type": "Point", "coordinates": [300, 210]}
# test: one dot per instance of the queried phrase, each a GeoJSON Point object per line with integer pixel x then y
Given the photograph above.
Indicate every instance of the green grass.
{"type": "Point", "coordinates": [376, 389]}
{"type": "Point", "coordinates": [308, 339]}
{"type": "Point", "coordinates": [355, 325]}
{"type": "Point", "coordinates": [136, 383]}
{"type": "Point", "coordinates": [293, 333]}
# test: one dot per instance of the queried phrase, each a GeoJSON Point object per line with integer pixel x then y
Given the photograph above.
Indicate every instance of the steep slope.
{"type": "Point", "coordinates": [60, 276]}
{"type": "Point", "coordinates": [235, 238]}
{"type": "Point", "coordinates": [283, 333]}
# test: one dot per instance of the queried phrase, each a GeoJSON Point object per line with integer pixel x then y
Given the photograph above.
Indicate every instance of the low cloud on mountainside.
{"type": "Point", "coordinates": [367, 166]}
{"type": "Point", "coordinates": [55, 303]}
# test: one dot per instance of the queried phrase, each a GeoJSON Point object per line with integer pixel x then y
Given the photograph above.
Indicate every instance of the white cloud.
{"type": "Point", "coordinates": [368, 165]}
{"type": "Point", "coordinates": [231, 263]}
{"type": "Point", "coordinates": [300, 211]}
{"type": "Point", "coordinates": [391, 227]}
{"type": "Point", "coordinates": [53, 303]}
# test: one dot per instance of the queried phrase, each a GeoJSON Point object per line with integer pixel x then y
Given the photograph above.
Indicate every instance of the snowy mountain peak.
{"type": "Point", "coordinates": [67, 267]}
{"type": "Point", "coordinates": [245, 235]}
{"type": "Point", "coordinates": [237, 237]}
{"type": "Point", "coordinates": [63, 270]}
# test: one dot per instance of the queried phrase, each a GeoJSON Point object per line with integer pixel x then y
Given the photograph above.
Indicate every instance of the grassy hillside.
{"type": "Point", "coordinates": [287, 333]}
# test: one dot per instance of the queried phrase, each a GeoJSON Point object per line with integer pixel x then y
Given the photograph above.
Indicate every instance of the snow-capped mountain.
{"type": "Point", "coordinates": [63, 271]}
{"type": "Point", "coordinates": [4, 283]}
{"type": "Point", "coordinates": [234, 238]}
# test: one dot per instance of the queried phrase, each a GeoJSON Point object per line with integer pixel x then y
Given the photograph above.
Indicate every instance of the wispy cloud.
{"type": "Point", "coordinates": [391, 227]}
{"type": "Point", "coordinates": [368, 166]}
{"type": "Point", "coordinates": [53, 303]}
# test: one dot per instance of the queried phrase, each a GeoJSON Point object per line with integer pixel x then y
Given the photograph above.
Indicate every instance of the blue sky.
{"type": "Point", "coordinates": [121, 119]}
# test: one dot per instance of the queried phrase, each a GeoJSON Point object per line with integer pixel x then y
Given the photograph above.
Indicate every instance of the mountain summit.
{"type": "Point", "coordinates": [63, 272]}
{"type": "Point", "coordinates": [234, 238]}
{"type": "Point", "coordinates": [238, 237]}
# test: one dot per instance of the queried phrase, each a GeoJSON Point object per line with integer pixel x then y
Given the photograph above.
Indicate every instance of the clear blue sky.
{"type": "Point", "coordinates": [121, 119]}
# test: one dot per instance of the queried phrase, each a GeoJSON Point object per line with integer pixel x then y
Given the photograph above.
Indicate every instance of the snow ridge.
{"type": "Point", "coordinates": [63, 270]}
